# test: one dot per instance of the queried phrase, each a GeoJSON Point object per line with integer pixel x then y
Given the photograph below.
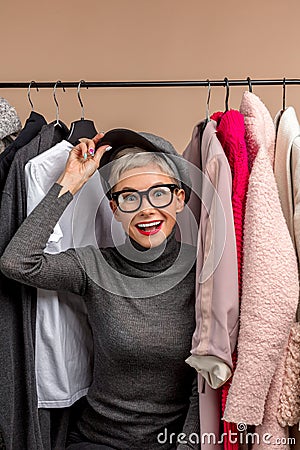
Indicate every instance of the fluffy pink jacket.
{"type": "Point", "coordinates": [270, 283]}
{"type": "Point", "coordinates": [270, 427]}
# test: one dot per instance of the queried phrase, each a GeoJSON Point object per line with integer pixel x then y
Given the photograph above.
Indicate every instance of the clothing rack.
{"type": "Point", "coordinates": [127, 84]}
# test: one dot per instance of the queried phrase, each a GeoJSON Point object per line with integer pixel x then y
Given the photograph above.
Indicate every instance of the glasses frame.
{"type": "Point", "coordinates": [171, 186]}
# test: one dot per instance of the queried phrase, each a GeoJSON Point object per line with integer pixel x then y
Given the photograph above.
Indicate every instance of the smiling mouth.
{"type": "Point", "coordinates": [148, 228]}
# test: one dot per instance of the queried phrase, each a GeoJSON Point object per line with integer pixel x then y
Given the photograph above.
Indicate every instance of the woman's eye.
{"type": "Point", "coordinates": [159, 193]}
{"type": "Point", "coordinates": [130, 198]}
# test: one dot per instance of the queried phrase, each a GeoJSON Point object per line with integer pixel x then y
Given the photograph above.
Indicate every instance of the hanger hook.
{"type": "Point", "coordinates": [208, 99]}
{"type": "Point", "coordinates": [28, 93]}
{"type": "Point", "coordinates": [55, 100]}
{"type": "Point", "coordinates": [249, 84]}
{"type": "Point", "coordinates": [283, 94]}
{"type": "Point", "coordinates": [79, 98]}
{"type": "Point", "coordinates": [227, 93]}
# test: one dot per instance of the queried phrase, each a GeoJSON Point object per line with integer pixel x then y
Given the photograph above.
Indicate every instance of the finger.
{"type": "Point", "coordinates": [90, 146]}
{"type": "Point", "coordinates": [99, 153]}
{"type": "Point", "coordinates": [81, 149]}
{"type": "Point", "coordinates": [76, 151]}
{"type": "Point", "coordinates": [91, 143]}
{"type": "Point", "coordinates": [97, 138]}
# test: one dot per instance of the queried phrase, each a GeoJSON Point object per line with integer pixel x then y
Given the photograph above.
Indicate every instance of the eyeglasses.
{"type": "Point", "coordinates": [159, 196]}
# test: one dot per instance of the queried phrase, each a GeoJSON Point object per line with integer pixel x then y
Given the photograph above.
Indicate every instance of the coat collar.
{"type": "Point", "coordinates": [259, 127]}
{"type": "Point", "coordinates": [288, 129]}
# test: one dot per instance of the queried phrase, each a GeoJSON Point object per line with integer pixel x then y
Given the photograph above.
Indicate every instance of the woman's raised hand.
{"type": "Point", "coordinates": [82, 163]}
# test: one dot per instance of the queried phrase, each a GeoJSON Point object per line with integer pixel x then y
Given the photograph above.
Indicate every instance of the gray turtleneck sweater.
{"type": "Point", "coordinates": [141, 308]}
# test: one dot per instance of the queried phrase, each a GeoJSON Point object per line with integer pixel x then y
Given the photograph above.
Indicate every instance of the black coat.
{"type": "Point", "coordinates": [19, 416]}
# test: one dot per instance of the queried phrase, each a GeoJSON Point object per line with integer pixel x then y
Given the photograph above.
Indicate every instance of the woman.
{"type": "Point", "coordinates": [139, 295]}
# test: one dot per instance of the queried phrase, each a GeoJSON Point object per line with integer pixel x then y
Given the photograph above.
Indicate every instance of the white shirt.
{"type": "Point", "coordinates": [64, 344]}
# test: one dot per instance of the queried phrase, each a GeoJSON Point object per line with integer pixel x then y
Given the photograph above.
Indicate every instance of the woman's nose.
{"type": "Point", "coordinates": [145, 205]}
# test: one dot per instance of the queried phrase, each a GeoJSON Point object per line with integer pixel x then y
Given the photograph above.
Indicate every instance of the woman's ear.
{"type": "Point", "coordinates": [115, 209]}
{"type": "Point", "coordinates": [180, 196]}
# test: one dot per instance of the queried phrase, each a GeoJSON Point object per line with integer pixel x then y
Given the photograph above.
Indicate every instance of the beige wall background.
{"type": "Point", "coordinates": [136, 40]}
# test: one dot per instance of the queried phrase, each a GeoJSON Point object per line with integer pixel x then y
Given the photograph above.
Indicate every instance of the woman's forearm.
{"type": "Point", "coordinates": [24, 259]}
{"type": "Point", "coordinates": [70, 183]}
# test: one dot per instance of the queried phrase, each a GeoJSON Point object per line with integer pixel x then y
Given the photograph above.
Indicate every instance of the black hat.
{"type": "Point", "coordinates": [120, 138]}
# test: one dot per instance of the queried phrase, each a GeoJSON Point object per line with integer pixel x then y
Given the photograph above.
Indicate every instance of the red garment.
{"type": "Point", "coordinates": [231, 134]}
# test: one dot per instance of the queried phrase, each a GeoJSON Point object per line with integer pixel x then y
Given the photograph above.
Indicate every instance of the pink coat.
{"type": "Point", "coordinates": [231, 134]}
{"type": "Point", "coordinates": [270, 281]}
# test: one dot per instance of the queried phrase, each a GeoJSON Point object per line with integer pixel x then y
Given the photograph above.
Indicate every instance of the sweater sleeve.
{"type": "Point", "coordinates": [191, 429]}
{"type": "Point", "coordinates": [24, 259]}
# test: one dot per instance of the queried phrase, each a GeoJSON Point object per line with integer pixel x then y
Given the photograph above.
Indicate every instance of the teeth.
{"type": "Point", "coordinates": [151, 224]}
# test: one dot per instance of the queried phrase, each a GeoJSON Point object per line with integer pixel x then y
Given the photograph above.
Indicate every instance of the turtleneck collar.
{"type": "Point", "coordinates": [155, 259]}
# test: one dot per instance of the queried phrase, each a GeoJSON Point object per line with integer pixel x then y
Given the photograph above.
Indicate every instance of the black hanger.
{"type": "Point", "coordinates": [207, 118]}
{"type": "Point", "coordinates": [57, 123]}
{"type": "Point", "coordinates": [28, 93]}
{"type": "Point", "coordinates": [283, 95]}
{"type": "Point", "coordinates": [283, 107]}
{"type": "Point", "coordinates": [227, 93]}
{"type": "Point", "coordinates": [83, 127]}
{"type": "Point", "coordinates": [249, 84]}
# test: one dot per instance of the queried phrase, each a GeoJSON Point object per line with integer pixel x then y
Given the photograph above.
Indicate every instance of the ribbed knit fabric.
{"type": "Point", "coordinates": [231, 134]}
{"type": "Point", "coordinates": [141, 308]}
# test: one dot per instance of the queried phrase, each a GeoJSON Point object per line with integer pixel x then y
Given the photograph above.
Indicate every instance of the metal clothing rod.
{"type": "Point", "coordinates": [127, 84]}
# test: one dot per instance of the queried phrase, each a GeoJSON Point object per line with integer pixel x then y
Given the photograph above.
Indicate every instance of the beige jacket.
{"type": "Point", "coordinates": [217, 305]}
{"type": "Point", "coordinates": [287, 171]}
{"type": "Point", "coordinates": [209, 218]}
{"type": "Point", "coordinates": [287, 174]}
